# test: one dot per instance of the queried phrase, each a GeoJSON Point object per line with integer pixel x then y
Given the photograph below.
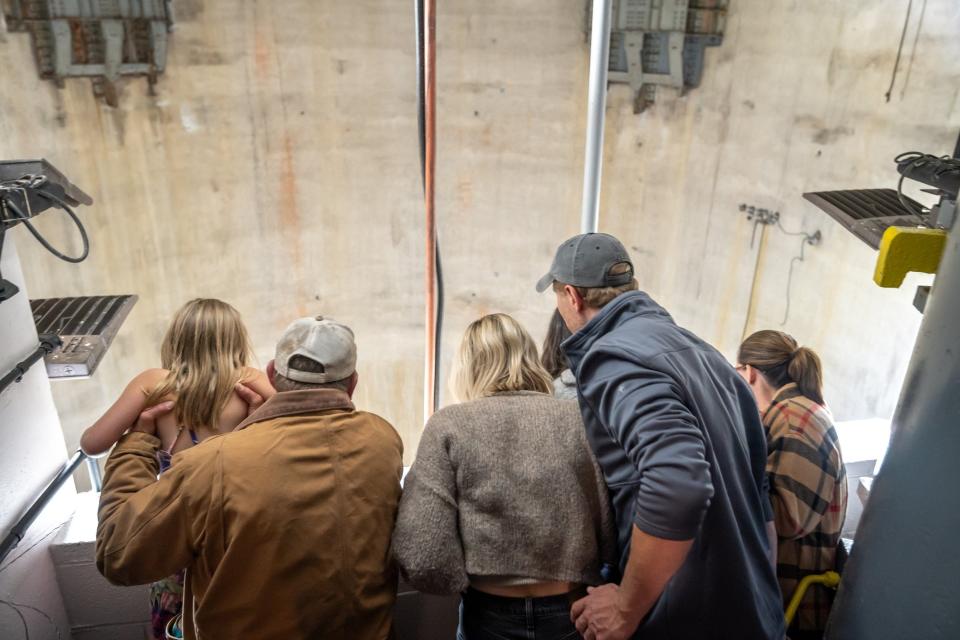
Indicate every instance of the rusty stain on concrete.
{"type": "Point", "coordinates": [465, 192]}
{"type": "Point", "coordinates": [261, 54]}
{"type": "Point", "coordinates": [290, 225]}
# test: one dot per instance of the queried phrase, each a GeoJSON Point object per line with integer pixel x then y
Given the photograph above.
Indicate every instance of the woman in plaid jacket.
{"type": "Point", "coordinates": [808, 484]}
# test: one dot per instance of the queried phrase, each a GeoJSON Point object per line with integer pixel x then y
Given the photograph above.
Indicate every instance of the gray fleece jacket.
{"type": "Point", "coordinates": [679, 438]}
{"type": "Point", "coordinates": [504, 486]}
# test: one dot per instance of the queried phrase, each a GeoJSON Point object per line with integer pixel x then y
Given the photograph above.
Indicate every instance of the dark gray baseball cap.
{"type": "Point", "coordinates": [586, 261]}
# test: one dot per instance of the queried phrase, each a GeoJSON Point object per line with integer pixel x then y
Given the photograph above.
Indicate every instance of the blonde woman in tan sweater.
{"type": "Point", "coordinates": [505, 502]}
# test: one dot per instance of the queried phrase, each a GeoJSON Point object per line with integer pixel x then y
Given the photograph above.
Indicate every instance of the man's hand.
{"type": "Point", "coordinates": [147, 422]}
{"type": "Point", "coordinates": [248, 395]}
{"type": "Point", "coordinates": [603, 614]}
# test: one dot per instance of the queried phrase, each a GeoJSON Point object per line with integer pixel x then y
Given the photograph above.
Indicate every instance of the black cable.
{"type": "Point", "coordinates": [422, 136]}
{"type": "Point", "coordinates": [808, 238]}
{"type": "Point", "coordinates": [908, 207]}
{"type": "Point", "coordinates": [23, 621]}
{"type": "Point", "coordinates": [436, 351]}
{"type": "Point", "coordinates": [795, 260]}
{"type": "Point", "coordinates": [896, 63]}
{"type": "Point", "coordinates": [16, 606]}
{"type": "Point", "coordinates": [21, 217]}
{"type": "Point", "coordinates": [916, 159]}
{"type": "Point", "coordinates": [33, 546]}
{"type": "Point", "coordinates": [794, 233]}
{"type": "Point", "coordinates": [913, 49]}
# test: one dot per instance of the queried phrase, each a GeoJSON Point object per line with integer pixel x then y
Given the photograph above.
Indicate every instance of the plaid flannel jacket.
{"type": "Point", "coordinates": [808, 490]}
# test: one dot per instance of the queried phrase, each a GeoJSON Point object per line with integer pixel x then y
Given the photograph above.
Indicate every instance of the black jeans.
{"type": "Point", "coordinates": [488, 617]}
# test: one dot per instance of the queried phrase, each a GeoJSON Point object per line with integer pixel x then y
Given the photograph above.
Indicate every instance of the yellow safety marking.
{"type": "Point", "coordinates": [906, 249]}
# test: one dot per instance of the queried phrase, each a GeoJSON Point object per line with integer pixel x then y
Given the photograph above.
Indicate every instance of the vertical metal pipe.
{"type": "Point", "coordinates": [93, 470]}
{"type": "Point", "coordinates": [430, 129]}
{"type": "Point", "coordinates": [901, 579]}
{"type": "Point", "coordinates": [596, 111]}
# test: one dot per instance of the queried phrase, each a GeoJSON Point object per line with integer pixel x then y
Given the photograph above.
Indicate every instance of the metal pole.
{"type": "Point", "coordinates": [93, 470]}
{"type": "Point", "coordinates": [596, 110]}
{"type": "Point", "coordinates": [47, 344]}
{"type": "Point", "coordinates": [901, 579]}
{"type": "Point", "coordinates": [429, 156]}
{"type": "Point", "coordinates": [19, 530]}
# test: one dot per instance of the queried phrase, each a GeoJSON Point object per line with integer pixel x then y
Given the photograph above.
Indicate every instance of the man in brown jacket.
{"type": "Point", "coordinates": [283, 525]}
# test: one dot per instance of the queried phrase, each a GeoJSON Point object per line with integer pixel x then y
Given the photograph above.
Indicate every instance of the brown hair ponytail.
{"type": "Point", "coordinates": [552, 357]}
{"type": "Point", "coordinates": [780, 360]}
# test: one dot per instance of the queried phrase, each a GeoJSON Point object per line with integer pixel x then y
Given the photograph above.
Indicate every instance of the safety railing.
{"type": "Point", "coordinates": [47, 344]}
{"type": "Point", "coordinates": [19, 530]}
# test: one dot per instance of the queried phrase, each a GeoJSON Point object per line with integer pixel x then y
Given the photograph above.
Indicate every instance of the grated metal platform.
{"type": "Point", "coordinates": [867, 213]}
{"type": "Point", "coordinates": [87, 325]}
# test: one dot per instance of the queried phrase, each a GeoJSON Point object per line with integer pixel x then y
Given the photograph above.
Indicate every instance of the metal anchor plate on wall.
{"type": "Point", "coordinates": [662, 43]}
{"type": "Point", "coordinates": [99, 39]}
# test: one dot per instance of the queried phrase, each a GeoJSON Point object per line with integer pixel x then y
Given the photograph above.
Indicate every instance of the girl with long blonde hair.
{"type": "Point", "coordinates": [505, 502]}
{"type": "Point", "coordinates": [205, 354]}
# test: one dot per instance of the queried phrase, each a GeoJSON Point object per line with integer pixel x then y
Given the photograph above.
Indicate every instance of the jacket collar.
{"type": "Point", "coordinates": [290, 403]}
{"type": "Point", "coordinates": [618, 311]}
{"type": "Point", "coordinates": [784, 393]}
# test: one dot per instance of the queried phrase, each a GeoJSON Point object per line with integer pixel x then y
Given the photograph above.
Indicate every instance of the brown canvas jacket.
{"type": "Point", "coordinates": [283, 525]}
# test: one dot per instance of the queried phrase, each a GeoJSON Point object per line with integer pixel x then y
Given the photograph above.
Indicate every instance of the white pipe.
{"type": "Point", "coordinates": [596, 108]}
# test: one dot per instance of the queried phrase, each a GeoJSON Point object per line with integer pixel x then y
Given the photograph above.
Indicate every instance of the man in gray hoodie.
{"type": "Point", "coordinates": [679, 439]}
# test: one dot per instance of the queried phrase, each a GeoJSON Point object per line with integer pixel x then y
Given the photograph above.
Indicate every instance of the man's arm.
{"type": "Point", "coordinates": [148, 528]}
{"type": "Point", "coordinates": [610, 611]}
{"type": "Point", "coordinates": [644, 410]}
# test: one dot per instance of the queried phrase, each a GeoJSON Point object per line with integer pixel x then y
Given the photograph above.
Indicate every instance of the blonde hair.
{"type": "Point", "coordinates": [780, 360]}
{"type": "Point", "coordinates": [599, 297]}
{"type": "Point", "coordinates": [205, 350]}
{"type": "Point", "coordinates": [497, 354]}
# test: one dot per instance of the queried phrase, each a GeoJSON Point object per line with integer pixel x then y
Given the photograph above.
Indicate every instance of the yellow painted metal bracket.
{"type": "Point", "coordinates": [906, 249]}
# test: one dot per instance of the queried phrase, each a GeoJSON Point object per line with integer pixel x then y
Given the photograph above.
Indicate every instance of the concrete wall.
{"type": "Point", "coordinates": [276, 167]}
{"type": "Point", "coordinates": [31, 452]}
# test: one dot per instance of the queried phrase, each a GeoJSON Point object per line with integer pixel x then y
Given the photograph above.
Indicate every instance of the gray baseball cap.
{"type": "Point", "coordinates": [586, 260]}
{"type": "Point", "coordinates": [322, 340]}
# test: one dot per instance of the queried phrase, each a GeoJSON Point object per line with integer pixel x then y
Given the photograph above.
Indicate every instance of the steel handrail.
{"type": "Point", "coordinates": [19, 530]}
{"type": "Point", "coordinates": [47, 344]}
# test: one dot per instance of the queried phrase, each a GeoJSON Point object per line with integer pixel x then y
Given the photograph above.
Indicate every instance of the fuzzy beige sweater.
{"type": "Point", "coordinates": [504, 486]}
